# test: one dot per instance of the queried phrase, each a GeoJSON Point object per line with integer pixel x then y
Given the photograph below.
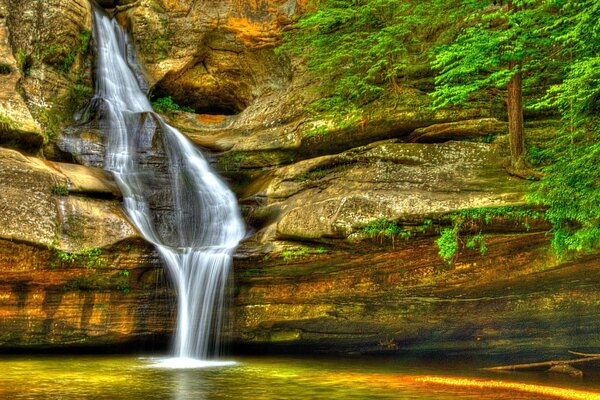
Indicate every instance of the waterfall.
{"type": "Point", "coordinates": [184, 209]}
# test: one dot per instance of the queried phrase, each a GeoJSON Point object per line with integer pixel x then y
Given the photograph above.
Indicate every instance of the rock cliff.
{"type": "Point", "coordinates": [318, 272]}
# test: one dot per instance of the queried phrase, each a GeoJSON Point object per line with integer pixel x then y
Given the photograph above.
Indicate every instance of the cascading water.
{"type": "Point", "coordinates": [196, 225]}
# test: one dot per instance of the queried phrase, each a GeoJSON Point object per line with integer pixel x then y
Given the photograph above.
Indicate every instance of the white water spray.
{"type": "Point", "coordinates": [198, 233]}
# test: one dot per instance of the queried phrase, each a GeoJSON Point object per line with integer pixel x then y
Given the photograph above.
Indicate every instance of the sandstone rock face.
{"type": "Point", "coordinates": [212, 56]}
{"type": "Point", "coordinates": [47, 51]}
{"type": "Point", "coordinates": [117, 297]}
{"type": "Point", "coordinates": [37, 208]}
{"type": "Point", "coordinates": [470, 129]}
{"type": "Point", "coordinates": [512, 301]}
{"type": "Point", "coordinates": [73, 269]}
{"type": "Point", "coordinates": [17, 126]}
{"type": "Point", "coordinates": [333, 196]}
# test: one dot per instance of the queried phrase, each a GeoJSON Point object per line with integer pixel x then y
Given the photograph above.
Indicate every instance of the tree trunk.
{"type": "Point", "coordinates": [515, 116]}
{"type": "Point", "coordinates": [515, 111]}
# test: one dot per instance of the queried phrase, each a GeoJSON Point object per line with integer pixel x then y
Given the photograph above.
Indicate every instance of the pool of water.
{"type": "Point", "coordinates": [131, 377]}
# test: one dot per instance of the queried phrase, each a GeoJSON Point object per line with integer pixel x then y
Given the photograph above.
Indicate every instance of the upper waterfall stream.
{"type": "Point", "coordinates": [197, 226]}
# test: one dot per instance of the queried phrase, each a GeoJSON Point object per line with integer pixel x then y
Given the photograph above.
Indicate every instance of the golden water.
{"type": "Point", "coordinates": [129, 377]}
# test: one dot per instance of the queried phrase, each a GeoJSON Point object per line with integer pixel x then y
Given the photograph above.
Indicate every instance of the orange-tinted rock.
{"type": "Point", "coordinates": [513, 300]}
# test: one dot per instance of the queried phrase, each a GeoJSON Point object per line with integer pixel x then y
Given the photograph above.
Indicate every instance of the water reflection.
{"type": "Point", "coordinates": [69, 378]}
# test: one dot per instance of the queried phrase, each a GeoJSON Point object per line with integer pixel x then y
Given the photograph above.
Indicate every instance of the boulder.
{"type": "Point", "coordinates": [38, 208]}
{"type": "Point", "coordinates": [334, 196]}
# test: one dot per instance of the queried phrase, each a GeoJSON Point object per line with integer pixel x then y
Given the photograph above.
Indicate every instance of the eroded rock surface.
{"type": "Point", "coordinates": [334, 196]}
{"type": "Point", "coordinates": [17, 126]}
{"type": "Point", "coordinates": [37, 208]}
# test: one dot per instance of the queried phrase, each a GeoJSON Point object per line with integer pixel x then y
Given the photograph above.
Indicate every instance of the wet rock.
{"type": "Point", "coordinates": [88, 180]}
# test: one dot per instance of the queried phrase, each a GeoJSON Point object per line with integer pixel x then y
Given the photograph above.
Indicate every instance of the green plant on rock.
{"type": "Point", "coordinates": [22, 63]}
{"type": "Point", "coordinates": [291, 254]}
{"type": "Point", "coordinates": [60, 190]}
{"type": "Point", "coordinates": [231, 160]}
{"type": "Point", "coordinates": [167, 104]}
{"type": "Point", "coordinates": [473, 219]}
{"type": "Point", "coordinates": [301, 251]}
{"type": "Point", "coordinates": [5, 69]}
{"type": "Point", "coordinates": [383, 228]}
{"type": "Point", "coordinates": [89, 258]}
{"type": "Point", "coordinates": [82, 48]}
{"type": "Point", "coordinates": [121, 279]}
{"type": "Point", "coordinates": [448, 243]}
{"type": "Point", "coordinates": [6, 123]}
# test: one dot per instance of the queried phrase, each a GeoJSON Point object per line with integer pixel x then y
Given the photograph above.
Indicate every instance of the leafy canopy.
{"type": "Point", "coordinates": [489, 39]}
{"type": "Point", "coordinates": [357, 48]}
{"type": "Point", "coordinates": [571, 185]}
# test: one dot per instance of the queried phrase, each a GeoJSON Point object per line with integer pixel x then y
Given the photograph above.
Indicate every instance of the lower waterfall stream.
{"type": "Point", "coordinates": [200, 225]}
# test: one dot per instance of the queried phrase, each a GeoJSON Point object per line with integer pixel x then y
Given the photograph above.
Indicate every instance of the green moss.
{"type": "Point", "coordinates": [5, 69]}
{"type": "Point", "coordinates": [101, 281]}
{"type": "Point", "coordinates": [382, 229]}
{"type": "Point", "coordinates": [22, 63]}
{"type": "Point", "coordinates": [60, 190]}
{"type": "Point", "coordinates": [6, 123]}
{"type": "Point", "coordinates": [231, 161]}
{"type": "Point", "coordinates": [317, 173]}
{"type": "Point", "coordinates": [82, 48]}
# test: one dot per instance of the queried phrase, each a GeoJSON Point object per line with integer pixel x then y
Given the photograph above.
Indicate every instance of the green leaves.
{"type": "Point", "coordinates": [491, 37]}
{"type": "Point", "coordinates": [167, 104]}
{"type": "Point", "coordinates": [571, 185]}
{"type": "Point", "coordinates": [356, 49]}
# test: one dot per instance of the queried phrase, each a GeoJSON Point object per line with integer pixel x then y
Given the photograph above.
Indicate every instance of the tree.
{"type": "Point", "coordinates": [495, 47]}
{"type": "Point", "coordinates": [570, 188]}
{"type": "Point", "coordinates": [357, 48]}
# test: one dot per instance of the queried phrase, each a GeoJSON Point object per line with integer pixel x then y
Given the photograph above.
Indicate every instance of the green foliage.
{"type": "Point", "coordinates": [89, 258]}
{"type": "Point", "coordinates": [121, 279]}
{"type": "Point", "coordinates": [570, 187]}
{"type": "Point", "coordinates": [5, 69]}
{"type": "Point", "coordinates": [301, 251]}
{"type": "Point", "coordinates": [476, 241]}
{"type": "Point", "coordinates": [6, 123]}
{"type": "Point", "coordinates": [357, 50]}
{"type": "Point", "coordinates": [383, 228]}
{"type": "Point", "coordinates": [448, 243]}
{"type": "Point", "coordinates": [167, 104]}
{"type": "Point", "coordinates": [473, 219]}
{"type": "Point", "coordinates": [490, 38]}
{"type": "Point", "coordinates": [60, 190]}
